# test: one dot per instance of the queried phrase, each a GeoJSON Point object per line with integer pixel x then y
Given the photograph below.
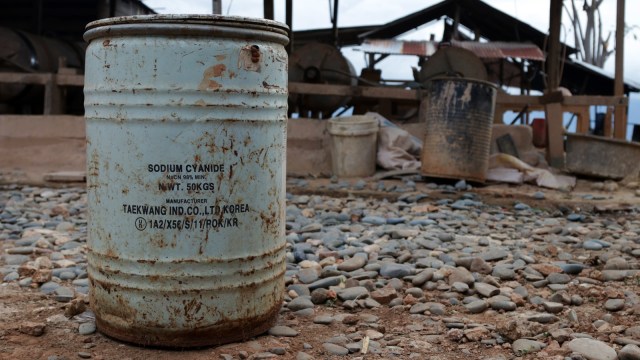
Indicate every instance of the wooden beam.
{"type": "Point", "coordinates": [354, 91]}
{"type": "Point", "coordinates": [41, 78]}
{"type": "Point", "coordinates": [553, 56]}
{"type": "Point", "coordinates": [619, 118]}
{"type": "Point", "coordinates": [595, 100]}
{"type": "Point", "coordinates": [555, 135]}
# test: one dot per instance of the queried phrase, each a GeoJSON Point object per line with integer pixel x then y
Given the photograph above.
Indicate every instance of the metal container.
{"type": "Point", "coordinates": [602, 157]}
{"type": "Point", "coordinates": [458, 115]}
{"type": "Point", "coordinates": [186, 136]}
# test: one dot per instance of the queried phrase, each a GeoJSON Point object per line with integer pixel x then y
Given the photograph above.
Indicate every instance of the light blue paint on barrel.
{"type": "Point", "coordinates": [186, 135]}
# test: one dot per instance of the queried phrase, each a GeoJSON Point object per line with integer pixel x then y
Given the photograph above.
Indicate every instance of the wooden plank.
{"type": "Point", "coordinates": [66, 176]}
{"type": "Point", "coordinates": [517, 100]}
{"type": "Point", "coordinates": [353, 91]}
{"type": "Point", "coordinates": [69, 79]}
{"type": "Point", "coordinates": [23, 78]}
{"type": "Point", "coordinates": [41, 78]}
{"type": "Point", "coordinates": [595, 100]}
{"type": "Point", "coordinates": [555, 135]}
{"type": "Point", "coordinates": [39, 126]}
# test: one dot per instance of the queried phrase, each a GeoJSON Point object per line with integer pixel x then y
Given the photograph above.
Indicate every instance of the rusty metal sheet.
{"type": "Point", "coordinates": [186, 132]}
{"type": "Point", "coordinates": [486, 50]}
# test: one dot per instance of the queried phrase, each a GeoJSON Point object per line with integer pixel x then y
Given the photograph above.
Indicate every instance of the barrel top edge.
{"type": "Point", "coordinates": [190, 19]}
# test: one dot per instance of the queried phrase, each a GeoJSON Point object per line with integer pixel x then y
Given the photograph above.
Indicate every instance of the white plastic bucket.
{"type": "Point", "coordinates": [353, 146]}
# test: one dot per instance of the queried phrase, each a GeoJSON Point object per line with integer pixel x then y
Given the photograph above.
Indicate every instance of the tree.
{"type": "Point", "coordinates": [594, 48]}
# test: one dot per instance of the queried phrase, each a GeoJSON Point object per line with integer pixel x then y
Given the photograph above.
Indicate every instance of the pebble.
{"type": "Point", "coordinates": [333, 349]}
{"type": "Point", "coordinates": [393, 270]}
{"type": "Point", "coordinates": [300, 303]}
{"type": "Point", "coordinates": [87, 328]}
{"type": "Point", "coordinates": [531, 271]}
{"type": "Point", "coordinates": [629, 352]}
{"type": "Point", "coordinates": [283, 331]}
{"type": "Point", "coordinates": [614, 304]}
{"type": "Point", "coordinates": [592, 349]}
{"type": "Point", "coordinates": [525, 346]}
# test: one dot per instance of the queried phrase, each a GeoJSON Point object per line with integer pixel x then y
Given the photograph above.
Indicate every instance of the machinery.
{"type": "Point", "coordinates": [319, 63]}
{"type": "Point", "coordinates": [23, 52]}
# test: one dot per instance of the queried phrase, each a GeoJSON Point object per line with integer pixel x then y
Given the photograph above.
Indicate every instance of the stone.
{"type": "Point", "coordinates": [477, 333]}
{"type": "Point", "coordinates": [422, 277]}
{"type": "Point", "coordinates": [353, 293]}
{"type": "Point", "coordinates": [31, 328]}
{"type": "Point", "coordinates": [87, 328]}
{"type": "Point", "coordinates": [461, 274]}
{"type": "Point", "coordinates": [282, 331]}
{"type": "Point", "coordinates": [522, 347]}
{"type": "Point", "coordinates": [384, 295]}
{"type": "Point", "coordinates": [614, 304]}
{"type": "Point", "coordinates": [486, 290]}
{"type": "Point", "coordinates": [503, 273]}
{"type": "Point", "coordinates": [558, 278]}
{"type": "Point", "coordinates": [323, 319]}
{"type": "Point", "coordinates": [393, 270]}
{"type": "Point", "coordinates": [480, 266]}
{"type": "Point", "coordinates": [477, 306]}
{"type": "Point", "coordinates": [303, 356]}
{"type": "Point", "coordinates": [326, 282]}
{"type": "Point", "coordinates": [308, 276]}
{"type": "Point", "coordinates": [333, 349]}
{"type": "Point", "coordinates": [49, 287]}
{"type": "Point", "coordinates": [617, 263]}
{"type": "Point", "coordinates": [629, 352]}
{"type": "Point", "coordinates": [352, 264]}
{"type": "Point", "coordinates": [592, 349]}
{"type": "Point", "coordinates": [300, 303]}
{"type": "Point", "coordinates": [63, 294]}
{"type": "Point", "coordinates": [552, 307]}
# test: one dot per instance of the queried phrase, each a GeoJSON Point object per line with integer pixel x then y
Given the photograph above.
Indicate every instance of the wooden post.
{"type": "Point", "coordinates": [620, 119]}
{"type": "Point", "coordinates": [553, 57]}
{"type": "Point", "coordinates": [52, 96]}
{"type": "Point", "coordinates": [289, 21]}
{"type": "Point", "coordinates": [216, 7]}
{"type": "Point", "coordinates": [555, 135]}
{"type": "Point", "coordinates": [268, 9]}
{"type": "Point", "coordinates": [553, 110]}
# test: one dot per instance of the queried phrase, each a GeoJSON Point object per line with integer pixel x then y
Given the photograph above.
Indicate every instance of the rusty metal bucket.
{"type": "Point", "coordinates": [186, 135]}
{"type": "Point", "coordinates": [458, 114]}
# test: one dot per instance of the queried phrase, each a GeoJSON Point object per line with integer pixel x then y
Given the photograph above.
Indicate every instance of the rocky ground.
{"type": "Point", "coordinates": [375, 270]}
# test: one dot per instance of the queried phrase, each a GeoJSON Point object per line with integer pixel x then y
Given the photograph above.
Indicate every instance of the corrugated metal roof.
{"type": "Point", "coordinates": [485, 50]}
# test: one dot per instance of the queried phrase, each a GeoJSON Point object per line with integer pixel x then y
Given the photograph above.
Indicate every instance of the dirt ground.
{"type": "Point", "coordinates": [60, 338]}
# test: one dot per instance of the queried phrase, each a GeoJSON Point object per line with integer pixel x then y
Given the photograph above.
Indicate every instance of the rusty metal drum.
{"type": "Point", "coordinates": [458, 115]}
{"type": "Point", "coordinates": [186, 135]}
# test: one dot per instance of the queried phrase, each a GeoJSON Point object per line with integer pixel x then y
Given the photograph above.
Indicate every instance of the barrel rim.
{"type": "Point", "coordinates": [192, 19]}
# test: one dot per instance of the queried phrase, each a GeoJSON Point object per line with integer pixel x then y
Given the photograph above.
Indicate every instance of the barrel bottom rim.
{"type": "Point", "coordinates": [477, 179]}
{"type": "Point", "coordinates": [155, 337]}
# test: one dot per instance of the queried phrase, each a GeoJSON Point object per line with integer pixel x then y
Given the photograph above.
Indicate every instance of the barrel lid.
{"type": "Point", "coordinates": [185, 20]}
